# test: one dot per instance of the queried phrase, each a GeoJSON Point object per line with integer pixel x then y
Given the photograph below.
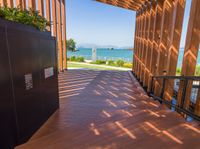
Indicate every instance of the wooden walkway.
{"type": "Point", "coordinates": [107, 109]}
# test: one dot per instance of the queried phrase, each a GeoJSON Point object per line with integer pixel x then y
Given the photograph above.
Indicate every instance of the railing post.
{"type": "Point", "coordinates": [151, 89]}
{"type": "Point", "coordinates": [163, 88]}
{"type": "Point", "coordinates": [184, 93]}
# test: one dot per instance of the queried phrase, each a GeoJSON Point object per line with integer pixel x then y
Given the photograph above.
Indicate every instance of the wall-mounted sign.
{"type": "Point", "coordinates": [28, 81]}
{"type": "Point", "coordinates": [48, 72]}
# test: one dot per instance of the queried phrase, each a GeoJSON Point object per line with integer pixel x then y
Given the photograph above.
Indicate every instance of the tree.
{"type": "Point", "coordinates": [71, 45]}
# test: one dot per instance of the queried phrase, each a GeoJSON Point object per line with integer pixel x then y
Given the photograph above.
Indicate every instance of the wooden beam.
{"type": "Point", "coordinates": [156, 39]}
{"type": "Point", "coordinates": [64, 35]}
{"type": "Point", "coordinates": [24, 4]}
{"type": "Point", "coordinates": [190, 54]}
{"type": "Point", "coordinates": [41, 7]}
{"type": "Point", "coordinates": [48, 13]}
{"type": "Point", "coordinates": [135, 45]}
{"type": "Point", "coordinates": [54, 18]}
{"type": "Point", "coordinates": [19, 4]}
{"type": "Point", "coordinates": [147, 34]}
{"type": "Point", "coordinates": [10, 3]}
{"type": "Point", "coordinates": [59, 35]}
{"type": "Point", "coordinates": [143, 44]}
{"type": "Point", "coordinates": [162, 52]}
{"type": "Point", "coordinates": [174, 45]}
{"type": "Point", "coordinates": [31, 4]}
{"type": "Point", "coordinates": [140, 43]}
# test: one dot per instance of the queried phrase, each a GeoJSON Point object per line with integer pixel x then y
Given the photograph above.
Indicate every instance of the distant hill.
{"type": "Point", "coordinates": [88, 45]}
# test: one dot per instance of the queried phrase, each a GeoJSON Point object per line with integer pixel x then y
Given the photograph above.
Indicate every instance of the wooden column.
{"type": "Point", "coordinates": [31, 4]}
{"type": "Point", "coordinates": [59, 36]}
{"type": "Point", "coordinates": [24, 4]}
{"type": "Point", "coordinates": [140, 43]}
{"type": "Point", "coordinates": [19, 3]}
{"type": "Point", "coordinates": [146, 56]}
{"type": "Point", "coordinates": [191, 53]}
{"type": "Point", "coordinates": [162, 52]}
{"type": "Point", "coordinates": [3, 3]}
{"type": "Point", "coordinates": [48, 13]}
{"type": "Point", "coordinates": [10, 3]}
{"type": "Point", "coordinates": [156, 39]}
{"type": "Point", "coordinates": [54, 18]}
{"type": "Point", "coordinates": [150, 43]}
{"type": "Point", "coordinates": [174, 45]}
{"type": "Point", "coordinates": [41, 7]}
{"type": "Point", "coordinates": [135, 45]}
{"type": "Point", "coordinates": [143, 44]}
{"type": "Point", "coordinates": [64, 35]}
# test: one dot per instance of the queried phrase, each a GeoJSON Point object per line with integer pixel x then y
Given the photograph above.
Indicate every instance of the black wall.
{"type": "Point", "coordinates": [25, 50]}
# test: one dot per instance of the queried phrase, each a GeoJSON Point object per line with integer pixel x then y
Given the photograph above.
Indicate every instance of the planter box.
{"type": "Point", "coordinates": [28, 81]}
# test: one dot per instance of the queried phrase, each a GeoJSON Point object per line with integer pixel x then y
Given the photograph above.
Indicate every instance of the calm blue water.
{"type": "Point", "coordinates": [115, 54]}
{"type": "Point", "coordinates": [104, 54]}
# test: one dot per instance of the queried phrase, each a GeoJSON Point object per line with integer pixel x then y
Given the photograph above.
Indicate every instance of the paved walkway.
{"type": "Point", "coordinates": [106, 109]}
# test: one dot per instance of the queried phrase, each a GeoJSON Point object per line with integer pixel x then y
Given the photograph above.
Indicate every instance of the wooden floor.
{"type": "Point", "coordinates": [108, 109]}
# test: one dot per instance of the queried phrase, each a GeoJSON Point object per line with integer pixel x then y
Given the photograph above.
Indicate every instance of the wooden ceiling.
{"type": "Point", "coordinates": [127, 4]}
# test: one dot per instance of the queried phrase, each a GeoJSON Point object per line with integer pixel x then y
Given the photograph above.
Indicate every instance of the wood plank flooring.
{"type": "Point", "coordinates": [109, 110]}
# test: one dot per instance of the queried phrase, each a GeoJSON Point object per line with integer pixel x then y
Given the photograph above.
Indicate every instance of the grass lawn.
{"type": "Point", "coordinates": [100, 67]}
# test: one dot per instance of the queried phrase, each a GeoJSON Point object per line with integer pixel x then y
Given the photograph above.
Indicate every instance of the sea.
{"type": "Point", "coordinates": [116, 54]}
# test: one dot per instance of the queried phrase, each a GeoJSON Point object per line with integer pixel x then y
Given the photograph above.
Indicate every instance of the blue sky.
{"type": "Point", "coordinates": [92, 22]}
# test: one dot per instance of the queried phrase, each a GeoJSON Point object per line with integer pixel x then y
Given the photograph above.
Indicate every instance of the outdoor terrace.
{"type": "Point", "coordinates": [109, 109]}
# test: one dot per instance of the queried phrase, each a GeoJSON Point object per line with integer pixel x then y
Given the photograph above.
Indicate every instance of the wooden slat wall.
{"type": "Point", "coordinates": [157, 42]}
{"type": "Point", "coordinates": [191, 53]}
{"type": "Point", "coordinates": [58, 26]}
{"type": "Point", "coordinates": [174, 44]}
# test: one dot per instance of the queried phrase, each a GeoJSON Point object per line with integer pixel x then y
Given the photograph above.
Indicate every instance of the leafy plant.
{"type": "Point", "coordinates": [80, 59]}
{"type": "Point", "coordinates": [71, 45]}
{"type": "Point", "coordinates": [73, 58]}
{"type": "Point", "coordinates": [111, 63]}
{"type": "Point", "coordinates": [119, 63]}
{"type": "Point", "coordinates": [100, 62]}
{"type": "Point", "coordinates": [27, 17]}
{"type": "Point", "coordinates": [127, 65]}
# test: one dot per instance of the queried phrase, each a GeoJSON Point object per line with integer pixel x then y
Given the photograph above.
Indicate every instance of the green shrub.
{"type": "Point", "coordinates": [178, 71]}
{"type": "Point", "coordinates": [100, 62]}
{"type": "Point", "coordinates": [119, 63]}
{"type": "Point", "coordinates": [27, 17]}
{"type": "Point", "coordinates": [79, 59]}
{"type": "Point", "coordinates": [197, 72]}
{"type": "Point", "coordinates": [73, 58]}
{"type": "Point", "coordinates": [128, 65]}
{"type": "Point", "coordinates": [111, 63]}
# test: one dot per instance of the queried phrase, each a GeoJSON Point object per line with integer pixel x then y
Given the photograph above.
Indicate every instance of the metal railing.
{"type": "Point", "coordinates": [177, 80]}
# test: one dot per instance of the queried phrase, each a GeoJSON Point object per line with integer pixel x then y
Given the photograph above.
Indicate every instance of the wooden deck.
{"type": "Point", "coordinates": [107, 109]}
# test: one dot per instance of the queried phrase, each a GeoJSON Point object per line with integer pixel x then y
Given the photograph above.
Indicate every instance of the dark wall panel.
{"type": "Point", "coordinates": [8, 127]}
{"type": "Point", "coordinates": [32, 54]}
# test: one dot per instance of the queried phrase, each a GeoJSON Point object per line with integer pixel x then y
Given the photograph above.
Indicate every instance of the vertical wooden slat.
{"type": "Point", "coordinates": [135, 45]}
{"type": "Point", "coordinates": [10, 3]}
{"type": "Point", "coordinates": [191, 53]}
{"type": "Point", "coordinates": [41, 7]}
{"type": "Point", "coordinates": [31, 4]}
{"type": "Point", "coordinates": [54, 18]}
{"type": "Point", "coordinates": [24, 4]}
{"type": "Point", "coordinates": [143, 44]}
{"type": "Point", "coordinates": [139, 42]}
{"type": "Point", "coordinates": [156, 39]}
{"type": "Point", "coordinates": [162, 52]}
{"type": "Point", "coordinates": [150, 43]}
{"type": "Point", "coordinates": [146, 56]}
{"type": "Point", "coordinates": [59, 35]}
{"type": "Point", "coordinates": [64, 34]}
{"type": "Point", "coordinates": [174, 44]}
{"type": "Point", "coordinates": [48, 13]}
{"type": "Point", "coordinates": [19, 3]}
